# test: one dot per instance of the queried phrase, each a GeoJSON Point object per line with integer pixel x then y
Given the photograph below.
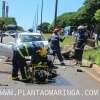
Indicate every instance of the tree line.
{"type": "Point", "coordinates": [9, 23]}
{"type": "Point", "coordinates": [88, 14]}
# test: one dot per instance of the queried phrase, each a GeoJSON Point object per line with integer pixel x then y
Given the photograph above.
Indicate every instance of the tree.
{"type": "Point", "coordinates": [88, 10]}
{"type": "Point", "coordinates": [8, 21]}
{"type": "Point", "coordinates": [19, 28]}
{"type": "Point", "coordinates": [84, 15]}
{"type": "Point", "coordinates": [67, 19]}
{"type": "Point", "coordinates": [97, 15]}
{"type": "Point", "coordinates": [44, 27]}
{"type": "Point", "coordinates": [97, 18]}
{"type": "Point", "coordinates": [30, 30]}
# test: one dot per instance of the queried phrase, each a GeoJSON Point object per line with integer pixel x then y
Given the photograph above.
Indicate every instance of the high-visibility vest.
{"type": "Point", "coordinates": [26, 50]}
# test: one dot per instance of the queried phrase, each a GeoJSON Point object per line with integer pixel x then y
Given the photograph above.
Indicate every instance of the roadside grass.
{"type": "Point", "coordinates": [46, 35]}
{"type": "Point", "coordinates": [89, 54]}
{"type": "Point", "coordinates": [69, 40]}
{"type": "Point", "coordinates": [93, 55]}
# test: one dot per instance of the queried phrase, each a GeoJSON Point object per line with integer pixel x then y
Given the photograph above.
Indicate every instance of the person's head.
{"type": "Point", "coordinates": [81, 28]}
{"type": "Point", "coordinates": [41, 50]}
{"type": "Point", "coordinates": [56, 30]}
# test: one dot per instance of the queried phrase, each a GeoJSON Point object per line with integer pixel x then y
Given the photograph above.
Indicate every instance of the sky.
{"type": "Point", "coordinates": [25, 10]}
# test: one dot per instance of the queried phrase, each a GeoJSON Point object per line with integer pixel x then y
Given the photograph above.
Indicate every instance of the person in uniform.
{"type": "Point", "coordinates": [2, 28]}
{"type": "Point", "coordinates": [18, 61]}
{"type": "Point", "coordinates": [55, 40]}
{"type": "Point", "coordinates": [37, 55]}
{"type": "Point", "coordinates": [80, 44]}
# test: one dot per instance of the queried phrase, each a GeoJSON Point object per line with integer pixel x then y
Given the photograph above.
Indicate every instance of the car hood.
{"type": "Point", "coordinates": [44, 43]}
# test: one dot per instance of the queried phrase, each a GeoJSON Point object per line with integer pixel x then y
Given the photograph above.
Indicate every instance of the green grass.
{"type": "Point", "coordinates": [68, 40]}
{"type": "Point", "coordinates": [94, 54]}
{"type": "Point", "coordinates": [46, 35]}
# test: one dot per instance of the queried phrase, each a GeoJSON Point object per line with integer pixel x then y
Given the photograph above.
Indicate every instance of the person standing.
{"type": "Point", "coordinates": [55, 40]}
{"type": "Point", "coordinates": [18, 62]}
{"type": "Point", "coordinates": [80, 44]}
{"type": "Point", "coordinates": [2, 28]}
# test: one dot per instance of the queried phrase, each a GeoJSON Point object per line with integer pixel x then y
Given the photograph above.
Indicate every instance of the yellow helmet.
{"type": "Point", "coordinates": [42, 52]}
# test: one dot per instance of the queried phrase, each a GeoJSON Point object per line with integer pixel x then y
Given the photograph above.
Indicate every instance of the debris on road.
{"type": "Point", "coordinates": [79, 70]}
{"type": "Point", "coordinates": [1, 84]}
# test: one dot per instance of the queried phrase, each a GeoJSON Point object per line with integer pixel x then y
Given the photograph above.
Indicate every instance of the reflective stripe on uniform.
{"type": "Point", "coordinates": [19, 51]}
{"type": "Point", "coordinates": [25, 45]}
{"type": "Point", "coordinates": [26, 49]}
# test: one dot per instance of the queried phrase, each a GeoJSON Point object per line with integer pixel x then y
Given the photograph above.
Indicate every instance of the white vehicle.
{"type": "Point", "coordinates": [20, 38]}
{"type": "Point", "coordinates": [27, 37]}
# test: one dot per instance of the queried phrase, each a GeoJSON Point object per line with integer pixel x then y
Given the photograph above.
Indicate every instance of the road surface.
{"type": "Point", "coordinates": [68, 85]}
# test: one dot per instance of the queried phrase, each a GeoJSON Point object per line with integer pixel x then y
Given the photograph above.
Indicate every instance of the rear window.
{"type": "Point", "coordinates": [30, 38]}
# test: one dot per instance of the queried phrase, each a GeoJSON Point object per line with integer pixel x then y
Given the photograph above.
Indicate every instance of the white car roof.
{"type": "Point", "coordinates": [29, 33]}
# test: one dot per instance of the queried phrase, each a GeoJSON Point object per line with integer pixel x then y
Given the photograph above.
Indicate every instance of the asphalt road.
{"type": "Point", "coordinates": [69, 84]}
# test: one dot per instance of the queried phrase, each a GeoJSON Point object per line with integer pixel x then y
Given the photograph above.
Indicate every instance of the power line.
{"type": "Point", "coordinates": [36, 18]}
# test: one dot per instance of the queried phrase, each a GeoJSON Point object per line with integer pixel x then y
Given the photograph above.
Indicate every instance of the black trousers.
{"type": "Point", "coordinates": [18, 64]}
{"type": "Point", "coordinates": [58, 53]}
{"type": "Point", "coordinates": [80, 44]}
{"type": "Point", "coordinates": [78, 54]}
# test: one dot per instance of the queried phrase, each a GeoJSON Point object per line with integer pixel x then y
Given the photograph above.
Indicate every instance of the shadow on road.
{"type": "Point", "coordinates": [58, 81]}
{"type": "Point", "coordinates": [61, 81]}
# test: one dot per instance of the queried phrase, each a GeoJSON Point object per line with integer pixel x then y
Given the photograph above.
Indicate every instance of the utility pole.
{"type": "Point", "coordinates": [7, 11]}
{"type": "Point", "coordinates": [37, 18]}
{"type": "Point", "coordinates": [41, 13]}
{"type": "Point", "coordinates": [3, 8]}
{"type": "Point", "coordinates": [2, 30]}
{"type": "Point", "coordinates": [56, 9]}
{"type": "Point", "coordinates": [35, 22]}
{"type": "Point", "coordinates": [2, 23]}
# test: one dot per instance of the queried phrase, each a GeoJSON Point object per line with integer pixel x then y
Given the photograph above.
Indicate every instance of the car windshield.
{"type": "Point", "coordinates": [30, 38]}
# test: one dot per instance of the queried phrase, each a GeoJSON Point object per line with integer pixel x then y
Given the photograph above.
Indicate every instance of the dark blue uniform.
{"type": "Point", "coordinates": [55, 45]}
{"type": "Point", "coordinates": [18, 64]}
{"type": "Point", "coordinates": [80, 44]}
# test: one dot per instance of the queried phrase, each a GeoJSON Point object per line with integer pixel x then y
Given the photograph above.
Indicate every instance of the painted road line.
{"type": "Point", "coordinates": [92, 75]}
